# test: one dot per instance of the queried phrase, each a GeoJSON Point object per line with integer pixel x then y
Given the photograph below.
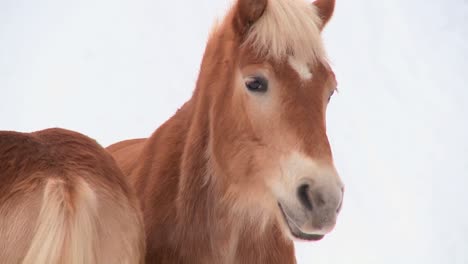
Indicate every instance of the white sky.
{"type": "Point", "coordinates": [116, 69]}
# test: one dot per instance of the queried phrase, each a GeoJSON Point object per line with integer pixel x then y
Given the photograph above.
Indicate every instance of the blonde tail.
{"type": "Point", "coordinates": [66, 226]}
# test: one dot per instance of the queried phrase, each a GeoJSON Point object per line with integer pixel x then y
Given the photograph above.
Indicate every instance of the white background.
{"type": "Point", "coordinates": [117, 69]}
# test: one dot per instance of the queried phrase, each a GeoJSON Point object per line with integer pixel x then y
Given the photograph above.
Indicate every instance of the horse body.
{"type": "Point", "coordinates": [64, 200]}
{"type": "Point", "coordinates": [245, 166]}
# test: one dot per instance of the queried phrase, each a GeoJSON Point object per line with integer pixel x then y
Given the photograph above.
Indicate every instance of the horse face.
{"type": "Point", "coordinates": [285, 105]}
{"type": "Point", "coordinates": [269, 127]}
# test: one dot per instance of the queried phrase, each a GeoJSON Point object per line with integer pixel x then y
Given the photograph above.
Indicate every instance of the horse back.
{"type": "Point", "coordinates": [127, 153]}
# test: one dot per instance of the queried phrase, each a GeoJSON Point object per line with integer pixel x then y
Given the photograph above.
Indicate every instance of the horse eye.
{"type": "Point", "coordinates": [257, 84]}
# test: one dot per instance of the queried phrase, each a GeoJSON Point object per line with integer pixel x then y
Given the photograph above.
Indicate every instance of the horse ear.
{"type": "Point", "coordinates": [247, 12]}
{"type": "Point", "coordinates": [325, 10]}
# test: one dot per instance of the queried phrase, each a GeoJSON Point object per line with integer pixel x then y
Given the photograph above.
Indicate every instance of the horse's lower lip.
{"type": "Point", "coordinates": [296, 232]}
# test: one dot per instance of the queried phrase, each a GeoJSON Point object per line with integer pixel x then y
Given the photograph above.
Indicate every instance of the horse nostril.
{"type": "Point", "coordinates": [303, 194]}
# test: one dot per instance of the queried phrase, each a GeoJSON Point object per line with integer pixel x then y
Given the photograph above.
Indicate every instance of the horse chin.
{"type": "Point", "coordinates": [295, 231]}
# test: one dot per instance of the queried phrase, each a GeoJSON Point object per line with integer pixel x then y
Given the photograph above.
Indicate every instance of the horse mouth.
{"type": "Point", "coordinates": [296, 231]}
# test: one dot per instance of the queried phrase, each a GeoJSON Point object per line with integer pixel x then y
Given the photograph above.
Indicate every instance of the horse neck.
{"type": "Point", "coordinates": [180, 179]}
{"type": "Point", "coordinates": [199, 218]}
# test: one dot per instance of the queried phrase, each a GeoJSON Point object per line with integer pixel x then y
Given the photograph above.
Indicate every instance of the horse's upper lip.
{"type": "Point", "coordinates": [296, 231]}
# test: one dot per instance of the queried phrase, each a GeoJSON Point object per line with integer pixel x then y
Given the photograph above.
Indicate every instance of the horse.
{"type": "Point", "coordinates": [63, 199]}
{"type": "Point", "coordinates": [244, 167]}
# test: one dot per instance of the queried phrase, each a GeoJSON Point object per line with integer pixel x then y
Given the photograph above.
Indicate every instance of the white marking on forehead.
{"type": "Point", "coordinates": [301, 68]}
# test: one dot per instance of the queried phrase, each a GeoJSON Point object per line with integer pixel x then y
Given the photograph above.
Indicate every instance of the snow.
{"type": "Point", "coordinates": [398, 127]}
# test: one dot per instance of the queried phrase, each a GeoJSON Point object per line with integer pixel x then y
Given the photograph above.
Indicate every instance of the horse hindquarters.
{"type": "Point", "coordinates": [78, 210]}
{"type": "Point", "coordinates": [68, 223]}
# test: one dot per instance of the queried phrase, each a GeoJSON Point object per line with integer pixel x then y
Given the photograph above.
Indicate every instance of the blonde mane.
{"type": "Point", "coordinates": [288, 28]}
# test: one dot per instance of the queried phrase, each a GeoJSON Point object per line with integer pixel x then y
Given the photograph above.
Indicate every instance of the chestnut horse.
{"type": "Point", "coordinates": [245, 166]}
{"type": "Point", "coordinates": [64, 200]}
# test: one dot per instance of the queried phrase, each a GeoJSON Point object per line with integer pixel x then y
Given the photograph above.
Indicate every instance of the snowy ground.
{"type": "Point", "coordinates": [116, 69]}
